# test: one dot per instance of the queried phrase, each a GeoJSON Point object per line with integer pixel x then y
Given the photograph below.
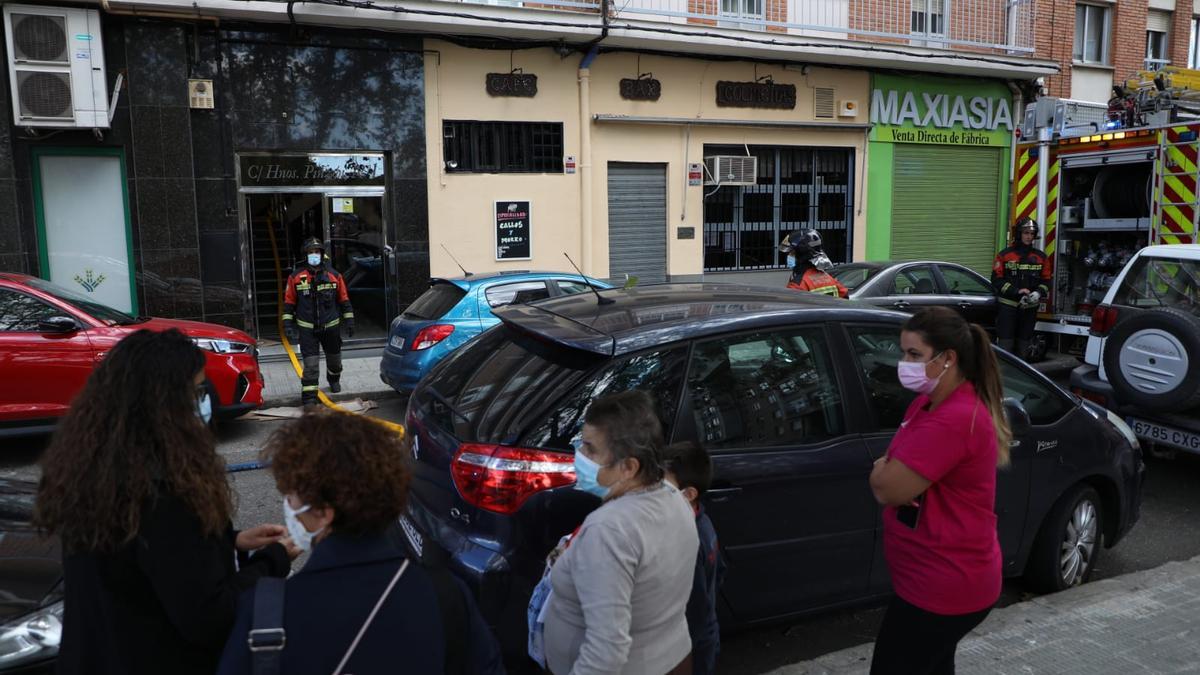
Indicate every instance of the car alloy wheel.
{"type": "Point", "coordinates": [1079, 543]}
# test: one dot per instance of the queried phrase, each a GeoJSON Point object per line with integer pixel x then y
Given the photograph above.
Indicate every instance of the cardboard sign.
{"type": "Point", "coordinates": [513, 234]}
{"type": "Point", "coordinates": [343, 205]}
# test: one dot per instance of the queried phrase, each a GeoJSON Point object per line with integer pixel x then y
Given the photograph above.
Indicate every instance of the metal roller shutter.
{"type": "Point", "coordinates": [946, 204]}
{"type": "Point", "coordinates": [637, 222]}
{"type": "Point", "coordinates": [1158, 20]}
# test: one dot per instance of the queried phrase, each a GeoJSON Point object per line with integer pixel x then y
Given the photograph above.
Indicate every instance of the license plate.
{"type": "Point", "coordinates": [1158, 433]}
{"type": "Point", "coordinates": [415, 540]}
{"type": "Point", "coordinates": [397, 342]}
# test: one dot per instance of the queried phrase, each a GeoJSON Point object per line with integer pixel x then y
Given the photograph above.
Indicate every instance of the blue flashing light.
{"type": "Point", "coordinates": [1187, 136]}
{"type": "Point", "coordinates": [1113, 124]}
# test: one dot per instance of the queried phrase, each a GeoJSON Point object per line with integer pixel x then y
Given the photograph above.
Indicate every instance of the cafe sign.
{"type": "Point", "coordinates": [940, 111]}
{"type": "Point", "coordinates": [311, 170]}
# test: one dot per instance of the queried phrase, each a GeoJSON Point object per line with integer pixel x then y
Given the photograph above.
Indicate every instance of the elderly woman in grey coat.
{"type": "Point", "coordinates": [620, 589]}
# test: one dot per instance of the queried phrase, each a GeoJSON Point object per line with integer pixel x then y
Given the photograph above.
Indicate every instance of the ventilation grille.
{"type": "Point", "coordinates": [732, 170]}
{"type": "Point", "coordinates": [39, 38]}
{"type": "Point", "coordinates": [823, 103]}
{"type": "Point", "coordinates": [45, 95]}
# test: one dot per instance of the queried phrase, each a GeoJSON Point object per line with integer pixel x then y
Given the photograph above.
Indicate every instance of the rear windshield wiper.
{"type": "Point", "coordinates": [446, 402]}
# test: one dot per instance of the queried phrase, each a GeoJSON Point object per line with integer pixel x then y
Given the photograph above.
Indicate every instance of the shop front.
{"type": "Point", "coordinates": [228, 145]}
{"type": "Point", "coordinates": [938, 169]}
{"type": "Point", "coordinates": [646, 166]}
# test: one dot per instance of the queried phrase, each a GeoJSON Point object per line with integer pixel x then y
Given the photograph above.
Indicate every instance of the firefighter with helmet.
{"type": "Point", "coordinates": [316, 306]}
{"type": "Point", "coordinates": [809, 263]}
{"type": "Point", "coordinates": [1021, 280]}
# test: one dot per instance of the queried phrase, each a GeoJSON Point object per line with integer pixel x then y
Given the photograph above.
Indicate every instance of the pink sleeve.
{"type": "Point", "coordinates": [931, 449]}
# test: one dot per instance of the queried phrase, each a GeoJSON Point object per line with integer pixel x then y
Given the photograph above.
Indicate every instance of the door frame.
{"type": "Point", "coordinates": [39, 212]}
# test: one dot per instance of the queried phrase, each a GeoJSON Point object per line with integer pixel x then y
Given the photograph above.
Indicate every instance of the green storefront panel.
{"type": "Point", "coordinates": [946, 203]}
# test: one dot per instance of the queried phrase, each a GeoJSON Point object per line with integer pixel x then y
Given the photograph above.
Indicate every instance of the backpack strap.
{"type": "Point", "coordinates": [267, 638]}
{"type": "Point", "coordinates": [455, 619]}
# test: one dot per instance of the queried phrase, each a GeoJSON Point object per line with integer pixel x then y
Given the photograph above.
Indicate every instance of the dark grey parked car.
{"type": "Point", "coordinates": [909, 286]}
{"type": "Point", "coordinates": [794, 394]}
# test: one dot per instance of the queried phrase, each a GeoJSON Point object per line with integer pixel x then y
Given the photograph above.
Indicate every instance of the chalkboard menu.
{"type": "Point", "coordinates": [512, 231]}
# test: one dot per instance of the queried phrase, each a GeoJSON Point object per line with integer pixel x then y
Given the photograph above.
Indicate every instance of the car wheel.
{"type": "Point", "coordinates": [1152, 360]}
{"type": "Point", "coordinates": [1069, 542]}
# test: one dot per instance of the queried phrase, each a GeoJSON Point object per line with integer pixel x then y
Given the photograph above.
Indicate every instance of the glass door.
{"type": "Point", "coordinates": [358, 251]}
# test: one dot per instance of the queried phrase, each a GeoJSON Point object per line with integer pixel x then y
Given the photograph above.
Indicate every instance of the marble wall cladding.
{"type": "Point", "coordinates": [276, 91]}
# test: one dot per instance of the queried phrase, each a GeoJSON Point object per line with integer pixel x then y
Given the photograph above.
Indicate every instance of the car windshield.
{"type": "Point", "coordinates": [96, 310]}
{"type": "Point", "coordinates": [1162, 282]}
{"type": "Point", "coordinates": [852, 276]}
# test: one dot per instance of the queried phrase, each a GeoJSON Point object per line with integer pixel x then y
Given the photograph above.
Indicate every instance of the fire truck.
{"type": "Point", "coordinates": [1105, 181]}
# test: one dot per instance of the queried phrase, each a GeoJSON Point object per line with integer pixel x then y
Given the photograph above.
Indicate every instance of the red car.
{"type": "Point", "coordinates": [51, 338]}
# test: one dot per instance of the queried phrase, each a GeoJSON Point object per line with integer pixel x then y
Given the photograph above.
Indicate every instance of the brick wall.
{"type": "Point", "coordinates": [1128, 46]}
{"type": "Point", "coordinates": [1181, 33]}
{"type": "Point", "coordinates": [1054, 40]}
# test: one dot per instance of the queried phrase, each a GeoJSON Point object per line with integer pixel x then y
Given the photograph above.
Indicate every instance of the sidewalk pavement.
{"type": "Point", "coordinates": [1142, 622]}
{"type": "Point", "coordinates": [360, 379]}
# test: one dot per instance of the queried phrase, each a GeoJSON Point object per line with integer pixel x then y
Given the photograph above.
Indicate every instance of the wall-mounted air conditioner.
{"type": "Point", "coordinates": [731, 170]}
{"type": "Point", "coordinates": [56, 67]}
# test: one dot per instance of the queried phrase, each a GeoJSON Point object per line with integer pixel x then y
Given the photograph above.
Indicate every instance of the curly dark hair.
{"type": "Point", "coordinates": [344, 461]}
{"type": "Point", "coordinates": [130, 435]}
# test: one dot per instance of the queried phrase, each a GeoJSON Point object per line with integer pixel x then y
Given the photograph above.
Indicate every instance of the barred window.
{"type": "Point", "coordinates": [797, 188]}
{"type": "Point", "coordinates": [470, 146]}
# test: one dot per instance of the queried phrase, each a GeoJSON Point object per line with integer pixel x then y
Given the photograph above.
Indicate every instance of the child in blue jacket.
{"type": "Point", "coordinates": [689, 468]}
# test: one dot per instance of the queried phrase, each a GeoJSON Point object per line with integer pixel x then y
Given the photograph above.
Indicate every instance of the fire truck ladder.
{"type": "Point", "coordinates": [1177, 199]}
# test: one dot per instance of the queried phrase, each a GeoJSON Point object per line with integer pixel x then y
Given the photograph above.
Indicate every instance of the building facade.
{"type": "Point", "coordinates": [661, 139]}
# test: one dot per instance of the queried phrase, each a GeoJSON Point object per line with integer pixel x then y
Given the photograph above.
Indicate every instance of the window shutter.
{"type": "Point", "coordinates": [1158, 20]}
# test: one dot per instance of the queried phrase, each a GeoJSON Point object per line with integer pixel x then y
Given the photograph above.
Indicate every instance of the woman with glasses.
{"type": "Point", "coordinates": [133, 487]}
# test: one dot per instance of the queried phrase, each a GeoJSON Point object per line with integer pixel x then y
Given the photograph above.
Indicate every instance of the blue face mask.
{"type": "Point", "coordinates": [314, 259]}
{"type": "Point", "coordinates": [791, 262]}
{"type": "Point", "coordinates": [585, 475]}
{"type": "Point", "coordinates": [204, 408]}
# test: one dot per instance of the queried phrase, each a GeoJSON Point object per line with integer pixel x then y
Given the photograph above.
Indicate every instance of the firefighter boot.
{"type": "Point", "coordinates": [309, 381]}
{"type": "Point", "coordinates": [333, 365]}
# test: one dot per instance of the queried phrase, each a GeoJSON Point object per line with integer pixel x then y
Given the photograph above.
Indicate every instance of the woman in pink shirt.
{"type": "Point", "coordinates": [937, 483]}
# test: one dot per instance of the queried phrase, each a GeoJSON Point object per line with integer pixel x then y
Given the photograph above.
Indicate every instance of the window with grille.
{"type": "Point", "coordinates": [470, 146]}
{"type": "Point", "coordinates": [797, 188]}
{"type": "Point", "coordinates": [928, 18]}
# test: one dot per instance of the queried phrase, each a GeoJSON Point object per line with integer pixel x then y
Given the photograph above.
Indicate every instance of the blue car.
{"type": "Point", "coordinates": [453, 311]}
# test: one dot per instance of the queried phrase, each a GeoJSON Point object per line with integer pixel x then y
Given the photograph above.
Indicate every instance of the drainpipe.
{"type": "Point", "coordinates": [585, 143]}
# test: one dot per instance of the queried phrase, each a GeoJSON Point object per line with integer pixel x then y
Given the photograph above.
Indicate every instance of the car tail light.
{"type": "Point", "coordinates": [499, 478]}
{"type": "Point", "coordinates": [431, 335]}
{"type": "Point", "coordinates": [1104, 317]}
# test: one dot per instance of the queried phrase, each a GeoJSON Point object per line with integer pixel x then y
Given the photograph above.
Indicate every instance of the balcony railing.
{"type": "Point", "coordinates": [1004, 26]}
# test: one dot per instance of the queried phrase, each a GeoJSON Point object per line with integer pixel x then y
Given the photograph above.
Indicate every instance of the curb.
{"type": "Point", "coordinates": [291, 400]}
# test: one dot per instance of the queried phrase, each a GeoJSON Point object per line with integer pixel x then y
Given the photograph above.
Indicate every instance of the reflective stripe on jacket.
{"type": "Point", "coordinates": [1018, 267]}
{"type": "Point", "coordinates": [814, 280]}
{"type": "Point", "coordinates": [314, 297]}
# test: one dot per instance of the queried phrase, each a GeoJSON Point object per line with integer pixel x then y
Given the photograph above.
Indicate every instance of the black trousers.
{"type": "Point", "coordinates": [1014, 327]}
{"type": "Point", "coordinates": [913, 641]}
{"type": "Point", "coordinates": [311, 343]}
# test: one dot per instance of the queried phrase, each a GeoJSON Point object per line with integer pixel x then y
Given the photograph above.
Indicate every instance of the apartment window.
{"type": "Point", "coordinates": [1092, 26]}
{"type": "Point", "coordinates": [1193, 51]}
{"type": "Point", "coordinates": [743, 9]}
{"type": "Point", "coordinates": [928, 17]}
{"type": "Point", "coordinates": [502, 147]}
{"type": "Point", "coordinates": [1156, 50]}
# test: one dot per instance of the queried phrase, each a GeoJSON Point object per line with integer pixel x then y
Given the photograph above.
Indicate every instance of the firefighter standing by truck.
{"type": "Point", "coordinates": [1021, 279]}
{"type": "Point", "coordinates": [316, 306]}
{"type": "Point", "coordinates": [806, 257]}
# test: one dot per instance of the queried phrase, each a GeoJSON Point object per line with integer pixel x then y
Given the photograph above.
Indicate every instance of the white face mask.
{"type": "Point", "coordinates": [301, 537]}
{"type": "Point", "coordinates": [314, 259]}
{"type": "Point", "coordinates": [204, 408]}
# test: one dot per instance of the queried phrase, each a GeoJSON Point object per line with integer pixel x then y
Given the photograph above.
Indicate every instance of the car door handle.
{"type": "Point", "coordinates": [722, 494]}
{"type": "Point", "coordinates": [901, 304]}
{"type": "Point", "coordinates": [965, 305]}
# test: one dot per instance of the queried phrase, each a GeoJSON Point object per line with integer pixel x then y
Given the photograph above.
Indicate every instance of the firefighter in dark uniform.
{"type": "Point", "coordinates": [809, 269]}
{"type": "Point", "coordinates": [316, 306]}
{"type": "Point", "coordinates": [1021, 279]}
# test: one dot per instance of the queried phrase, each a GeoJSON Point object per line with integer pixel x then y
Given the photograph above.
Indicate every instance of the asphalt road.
{"type": "Point", "coordinates": [1169, 530]}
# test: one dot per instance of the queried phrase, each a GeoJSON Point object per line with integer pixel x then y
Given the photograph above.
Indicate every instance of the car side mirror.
{"type": "Point", "coordinates": [58, 324]}
{"type": "Point", "coordinates": [1018, 417]}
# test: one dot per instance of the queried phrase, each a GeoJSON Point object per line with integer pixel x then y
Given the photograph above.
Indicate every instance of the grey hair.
{"type": "Point", "coordinates": [632, 428]}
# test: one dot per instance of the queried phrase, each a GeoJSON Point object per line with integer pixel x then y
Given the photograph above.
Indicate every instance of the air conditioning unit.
{"type": "Point", "coordinates": [56, 67]}
{"type": "Point", "coordinates": [731, 170]}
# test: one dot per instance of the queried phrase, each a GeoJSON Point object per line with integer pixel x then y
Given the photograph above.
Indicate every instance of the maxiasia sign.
{"type": "Point", "coordinates": [940, 111]}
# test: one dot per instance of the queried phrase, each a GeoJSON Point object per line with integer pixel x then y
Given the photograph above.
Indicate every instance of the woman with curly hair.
{"type": "Point", "coordinates": [359, 605]}
{"type": "Point", "coordinates": [133, 487]}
